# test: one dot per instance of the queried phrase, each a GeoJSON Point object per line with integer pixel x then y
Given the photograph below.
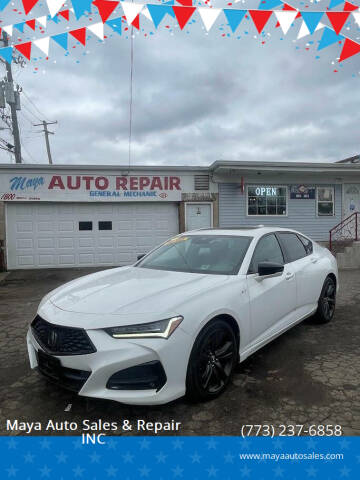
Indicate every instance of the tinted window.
{"type": "Point", "coordinates": [85, 225]}
{"type": "Point", "coordinates": [293, 246]}
{"type": "Point", "coordinates": [307, 244]}
{"type": "Point", "coordinates": [267, 250]}
{"type": "Point", "coordinates": [105, 225]}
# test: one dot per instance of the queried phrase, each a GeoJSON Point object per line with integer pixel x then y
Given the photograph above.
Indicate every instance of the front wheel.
{"type": "Point", "coordinates": [212, 360]}
{"type": "Point", "coordinates": [327, 301]}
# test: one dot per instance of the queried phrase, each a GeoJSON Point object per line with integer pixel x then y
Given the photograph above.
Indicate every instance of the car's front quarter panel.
{"type": "Point", "coordinates": [230, 298]}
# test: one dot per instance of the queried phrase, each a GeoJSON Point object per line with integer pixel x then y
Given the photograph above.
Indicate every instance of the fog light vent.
{"type": "Point", "coordinates": [147, 376]}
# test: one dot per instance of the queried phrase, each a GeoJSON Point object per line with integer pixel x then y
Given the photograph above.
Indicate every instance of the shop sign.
{"type": "Point", "coordinates": [302, 192]}
{"type": "Point", "coordinates": [49, 187]}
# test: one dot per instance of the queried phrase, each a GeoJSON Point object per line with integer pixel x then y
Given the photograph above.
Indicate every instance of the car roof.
{"type": "Point", "coordinates": [242, 231]}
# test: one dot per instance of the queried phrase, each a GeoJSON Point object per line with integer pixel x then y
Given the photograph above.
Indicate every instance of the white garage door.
{"type": "Point", "coordinates": [48, 235]}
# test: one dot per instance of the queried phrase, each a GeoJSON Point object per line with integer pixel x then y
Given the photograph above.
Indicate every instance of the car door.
{"type": "Point", "coordinates": [273, 299]}
{"type": "Point", "coordinates": [306, 264]}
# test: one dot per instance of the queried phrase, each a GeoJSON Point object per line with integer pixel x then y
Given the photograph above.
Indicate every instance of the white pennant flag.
{"type": "Point", "coordinates": [42, 20]}
{"type": "Point", "coordinates": [43, 45]}
{"type": "Point", "coordinates": [8, 29]}
{"type": "Point", "coordinates": [209, 16]}
{"type": "Point", "coordinates": [97, 29]}
{"type": "Point", "coordinates": [285, 18]}
{"type": "Point", "coordinates": [146, 13]}
{"type": "Point", "coordinates": [54, 6]}
{"type": "Point", "coordinates": [357, 17]}
{"type": "Point", "coordinates": [131, 10]}
{"type": "Point", "coordinates": [305, 31]}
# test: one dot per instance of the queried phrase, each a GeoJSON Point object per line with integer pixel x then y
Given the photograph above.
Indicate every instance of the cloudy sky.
{"type": "Point", "coordinates": [197, 98]}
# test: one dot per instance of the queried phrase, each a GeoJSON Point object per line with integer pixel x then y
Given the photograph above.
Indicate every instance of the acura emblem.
{"type": "Point", "coordinates": [52, 338]}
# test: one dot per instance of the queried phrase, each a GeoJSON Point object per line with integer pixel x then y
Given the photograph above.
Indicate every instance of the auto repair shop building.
{"type": "Point", "coordinates": [82, 216]}
{"type": "Point", "coordinates": [74, 216]}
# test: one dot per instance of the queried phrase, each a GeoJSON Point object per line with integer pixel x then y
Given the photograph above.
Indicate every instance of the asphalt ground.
{"type": "Point", "coordinates": [308, 376]}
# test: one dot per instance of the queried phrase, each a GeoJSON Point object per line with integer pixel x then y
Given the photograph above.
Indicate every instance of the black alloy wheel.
{"type": "Point", "coordinates": [327, 302]}
{"type": "Point", "coordinates": [212, 361]}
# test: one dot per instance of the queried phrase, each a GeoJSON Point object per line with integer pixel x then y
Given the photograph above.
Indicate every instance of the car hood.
{"type": "Point", "coordinates": [131, 290]}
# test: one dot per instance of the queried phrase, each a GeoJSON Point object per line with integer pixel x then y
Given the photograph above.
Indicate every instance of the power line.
{"type": "Point", "coordinates": [33, 104]}
{"type": "Point", "coordinates": [31, 113]}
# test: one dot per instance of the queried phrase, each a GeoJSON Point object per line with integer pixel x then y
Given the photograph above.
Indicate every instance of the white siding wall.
{"type": "Point", "coordinates": [301, 216]}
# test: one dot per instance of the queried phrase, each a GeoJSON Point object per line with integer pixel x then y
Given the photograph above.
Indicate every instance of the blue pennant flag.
{"type": "Point", "coordinates": [61, 39]}
{"type": "Point", "coordinates": [234, 17]}
{"type": "Point", "coordinates": [311, 20]}
{"type": "Point", "coordinates": [54, 19]}
{"type": "Point", "coordinates": [158, 12]}
{"type": "Point", "coordinates": [3, 4]}
{"type": "Point", "coordinates": [329, 37]}
{"type": "Point", "coordinates": [80, 6]}
{"type": "Point", "coordinates": [269, 4]}
{"type": "Point", "coordinates": [6, 53]}
{"type": "Point", "coordinates": [334, 3]}
{"type": "Point", "coordinates": [20, 26]}
{"type": "Point", "coordinates": [115, 24]}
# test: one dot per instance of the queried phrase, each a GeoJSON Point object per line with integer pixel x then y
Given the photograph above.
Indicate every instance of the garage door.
{"type": "Point", "coordinates": [48, 235]}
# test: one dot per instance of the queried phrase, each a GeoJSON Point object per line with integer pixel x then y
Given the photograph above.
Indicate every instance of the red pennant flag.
{"type": "Point", "coordinates": [289, 7]}
{"type": "Point", "coordinates": [337, 20]}
{"type": "Point", "coordinates": [260, 18]}
{"type": "Point", "coordinates": [79, 34]}
{"type": "Point", "coordinates": [24, 49]}
{"type": "Point", "coordinates": [185, 3]}
{"type": "Point", "coordinates": [277, 25]}
{"type": "Point", "coordinates": [183, 15]}
{"type": "Point", "coordinates": [136, 22]}
{"type": "Point", "coordinates": [106, 8]}
{"type": "Point", "coordinates": [65, 14]}
{"type": "Point", "coordinates": [28, 5]}
{"type": "Point", "coordinates": [350, 48]}
{"type": "Point", "coordinates": [31, 23]}
{"type": "Point", "coordinates": [349, 7]}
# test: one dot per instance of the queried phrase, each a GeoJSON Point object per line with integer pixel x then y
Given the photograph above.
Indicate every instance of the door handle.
{"type": "Point", "coordinates": [289, 275]}
{"type": "Point", "coordinates": [314, 259]}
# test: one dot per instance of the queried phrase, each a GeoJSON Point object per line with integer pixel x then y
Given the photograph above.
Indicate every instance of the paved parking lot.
{"type": "Point", "coordinates": [310, 375]}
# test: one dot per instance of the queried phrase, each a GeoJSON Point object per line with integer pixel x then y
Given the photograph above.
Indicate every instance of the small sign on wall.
{"type": "Point", "coordinates": [303, 192]}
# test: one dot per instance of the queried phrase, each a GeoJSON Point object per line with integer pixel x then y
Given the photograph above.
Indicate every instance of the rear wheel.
{"type": "Point", "coordinates": [212, 360]}
{"type": "Point", "coordinates": [327, 301]}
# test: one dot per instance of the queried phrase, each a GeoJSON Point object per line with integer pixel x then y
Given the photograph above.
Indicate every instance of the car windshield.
{"type": "Point", "coordinates": [213, 254]}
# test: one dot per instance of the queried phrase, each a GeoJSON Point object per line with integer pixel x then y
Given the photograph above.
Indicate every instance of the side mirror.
{"type": "Point", "coordinates": [269, 269]}
{"type": "Point", "coordinates": [139, 257]}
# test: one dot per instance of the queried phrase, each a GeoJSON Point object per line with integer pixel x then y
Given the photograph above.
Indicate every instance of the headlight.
{"type": "Point", "coordinates": [160, 329]}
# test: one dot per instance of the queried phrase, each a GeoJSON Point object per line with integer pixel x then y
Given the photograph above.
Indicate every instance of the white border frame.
{"type": "Point", "coordinates": [267, 216]}
{"type": "Point", "coordinates": [199, 203]}
{"type": "Point", "coordinates": [317, 201]}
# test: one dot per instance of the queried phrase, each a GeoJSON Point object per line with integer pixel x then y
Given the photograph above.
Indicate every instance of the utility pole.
{"type": "Point", "coordinates": [47, 133]}
{"type": "Point", "coordinates": [14, 121]}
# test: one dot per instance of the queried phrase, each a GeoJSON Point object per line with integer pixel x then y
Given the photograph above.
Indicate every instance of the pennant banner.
{"type": "Point", "coordinates": [182, 13]}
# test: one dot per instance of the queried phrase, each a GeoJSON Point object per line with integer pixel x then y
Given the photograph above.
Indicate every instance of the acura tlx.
{"type": "Point", "coordinates": [179, 320]}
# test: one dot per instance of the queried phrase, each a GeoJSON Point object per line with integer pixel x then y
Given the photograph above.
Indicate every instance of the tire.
{"type": "Point", "coordinates": [326, 302]}
{"type": "Point", "coordinates": [212, 361]}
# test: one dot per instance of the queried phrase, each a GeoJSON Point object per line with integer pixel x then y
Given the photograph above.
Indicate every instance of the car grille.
{"type": "Point", "coordinates": [59, 340]}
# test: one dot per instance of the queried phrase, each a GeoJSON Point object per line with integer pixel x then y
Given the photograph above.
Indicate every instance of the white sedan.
{"type": "Point", "coordinates": [177, 321]}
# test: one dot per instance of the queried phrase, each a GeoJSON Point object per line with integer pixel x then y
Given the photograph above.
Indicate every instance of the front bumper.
{"type": "Point", "coordinates": [113, 355]}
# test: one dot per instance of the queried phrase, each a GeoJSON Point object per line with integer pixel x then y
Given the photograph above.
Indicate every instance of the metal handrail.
{"type": "Point", "coordinates": [352, 234]}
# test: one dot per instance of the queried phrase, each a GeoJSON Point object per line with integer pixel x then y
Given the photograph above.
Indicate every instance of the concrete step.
{"type": "Point", "coordinates": [350, 257]}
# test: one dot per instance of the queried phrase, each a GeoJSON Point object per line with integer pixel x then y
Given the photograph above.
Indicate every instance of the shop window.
{"type": "Point", "coordinates": [266, 200]}
{"type": "Point", "coordinates": [105, 225]}
{"type": "Point", "coordinates": [325, 201]}
{"type": "Point", "coordinates": [85, 226]}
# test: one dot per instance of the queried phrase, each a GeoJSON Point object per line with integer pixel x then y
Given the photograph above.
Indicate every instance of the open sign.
{"type": "Point", "coordinates": [266, 191]}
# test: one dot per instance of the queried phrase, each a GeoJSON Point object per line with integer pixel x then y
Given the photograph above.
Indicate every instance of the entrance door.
{"type": "Point", "coordinates": [351, 199]}
{"type": "Point", "coordinates": [198, 215]}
